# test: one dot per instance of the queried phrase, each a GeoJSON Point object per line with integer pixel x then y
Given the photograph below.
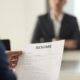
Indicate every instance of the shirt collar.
{"type": "Point", "coordinates": [60, 18]}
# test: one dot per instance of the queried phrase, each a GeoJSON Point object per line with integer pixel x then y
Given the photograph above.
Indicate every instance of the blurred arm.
{"type": "Point", "coordinates": [5, 72]}
{"type": "Point", "coordinates": [72, 43]}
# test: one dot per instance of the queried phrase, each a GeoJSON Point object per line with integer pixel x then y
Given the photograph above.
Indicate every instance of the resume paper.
{"type": "Point", "coordinates": [40, 61]}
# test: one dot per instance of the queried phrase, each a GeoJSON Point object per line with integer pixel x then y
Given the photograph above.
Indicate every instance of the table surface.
{"type": "Point", "coordinates": [71, 55]}
{"type": "Point", "coordinates": [70, 68]}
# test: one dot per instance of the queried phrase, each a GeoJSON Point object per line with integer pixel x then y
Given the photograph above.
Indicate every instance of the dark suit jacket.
{"type": "Point", "coordinates": [44, 31]}
{"type": "Point", "coordinates": [5, 72]}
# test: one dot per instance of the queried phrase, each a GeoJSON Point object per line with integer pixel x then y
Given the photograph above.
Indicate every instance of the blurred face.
{"type": "Point", "coordinates": [56, 5]}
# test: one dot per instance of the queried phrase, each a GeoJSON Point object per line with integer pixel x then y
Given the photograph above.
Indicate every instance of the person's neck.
{"type": "Point", "coordinates": [57, 14]}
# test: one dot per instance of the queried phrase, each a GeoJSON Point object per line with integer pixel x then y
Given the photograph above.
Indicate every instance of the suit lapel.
{"type": "Point", "coordinates": [63, 25]}
{"type": "Point", "coordinates": [50, 26]}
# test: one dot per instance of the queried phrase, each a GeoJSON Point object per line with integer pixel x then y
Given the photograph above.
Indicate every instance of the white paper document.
{"type": "Point", "coordinates": [40, 61]}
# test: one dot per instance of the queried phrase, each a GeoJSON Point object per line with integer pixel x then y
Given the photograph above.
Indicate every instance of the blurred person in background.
{"type": "Point", "coordinates": [5, 72]}
{"type": "Point", "coordinates": [56, 25]}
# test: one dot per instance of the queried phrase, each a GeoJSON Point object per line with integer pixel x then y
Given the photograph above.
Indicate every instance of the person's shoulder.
{"type": "Point", "coordinates": [2, 48]}
{"type": "Point", "coordinates": [70, 16]}
{"type": "Point", "coordinates": [43, 16]}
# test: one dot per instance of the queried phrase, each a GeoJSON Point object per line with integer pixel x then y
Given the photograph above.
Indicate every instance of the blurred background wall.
{"type": "Point", "coordinates": [12, 22]}
{"type": "Point", "coordinates": [18, 18]}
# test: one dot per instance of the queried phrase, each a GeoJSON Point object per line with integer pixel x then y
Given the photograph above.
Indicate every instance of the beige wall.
{"type": "Point", "coordinates": [16, 20]}
{"type": "Point", "coordinates": [33, 8]}
{"type": "Point", "coordinates": [12, 22]}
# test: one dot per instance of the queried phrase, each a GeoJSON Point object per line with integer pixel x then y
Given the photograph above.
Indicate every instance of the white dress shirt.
{"type": "Point", "coordinates": [57, 24]}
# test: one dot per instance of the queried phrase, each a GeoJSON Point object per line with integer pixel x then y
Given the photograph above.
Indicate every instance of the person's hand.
{"type": "Point", "coordinates": [13, 58]}
{"type": "Point", "coordinates": [70, 44]}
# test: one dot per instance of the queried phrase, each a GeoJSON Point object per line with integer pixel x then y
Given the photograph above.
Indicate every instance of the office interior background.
{"type": "Point", "coordinates": [18, 18]}
{"type": "Point", "coordinates": [17, 23]}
